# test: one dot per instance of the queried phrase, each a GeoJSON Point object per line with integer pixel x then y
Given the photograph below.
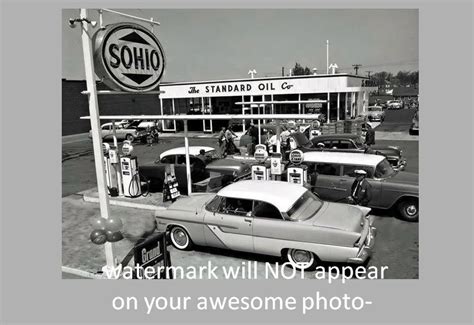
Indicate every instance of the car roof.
{"type": "Point", "coordinates": [352, 158]}
{"type": "Point", "coordinates": [336, 136]}
{"type": "Point", "coordinates": [281, 194]}
{"type": "Point", "coordinates": [193, 151]}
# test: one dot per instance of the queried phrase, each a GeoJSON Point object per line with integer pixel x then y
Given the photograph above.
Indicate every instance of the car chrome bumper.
{"type": "Point", "coordinates": [366, 250]}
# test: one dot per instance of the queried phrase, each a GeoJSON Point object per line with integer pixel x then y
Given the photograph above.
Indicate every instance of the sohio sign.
{"type": "Point", "coordinates": [128, 57]}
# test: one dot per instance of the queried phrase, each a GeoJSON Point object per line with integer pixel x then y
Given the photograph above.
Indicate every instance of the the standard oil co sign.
{"type": "Point", "coordinates": [128, 57]}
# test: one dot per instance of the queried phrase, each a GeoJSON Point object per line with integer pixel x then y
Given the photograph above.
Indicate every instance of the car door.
{"type": "Point", "coordinates": [106, 132]}
{"type": "Point", "coordinates": [327, 177]}
{"type": "Point", "coordinates": [344, 184]}
{"type": "Point", "coordinates": [268, 227]}
{"type": "Point", "coordinates": [231, 224]}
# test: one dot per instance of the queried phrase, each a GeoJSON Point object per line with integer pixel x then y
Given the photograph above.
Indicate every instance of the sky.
{"type": "Point", "coordinates": [225, 44]}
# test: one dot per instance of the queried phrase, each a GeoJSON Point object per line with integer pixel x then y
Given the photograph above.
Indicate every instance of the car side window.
{"type": "Point", "coordinates": [181, 159]}
{"type": "Point", "coordinates": [346, 144]}
{"type": "Point", "coordinates": [213, 205]}
{"type": "Point", "coordinates": [106, 127]}
{"type": "Point", "coordinates": [168, 160]}
{"type": "Point", "coordinates": [328, 169]}
{"type": "Point", "coordinates": [234, 206]}
{"type": "Point", "coordinates": [266, 210]}
{"type": "Point", "coordinates": [327, 144]}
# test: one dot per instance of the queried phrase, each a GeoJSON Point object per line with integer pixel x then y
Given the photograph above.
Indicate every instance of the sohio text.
{"type": "Point", "coordinates": [141, 58]}
{"type": "Point", "coordinates": [128, 57]}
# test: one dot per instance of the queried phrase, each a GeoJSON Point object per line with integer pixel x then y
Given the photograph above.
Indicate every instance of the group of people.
{"type": "Point", "coordinates": [226, 141]}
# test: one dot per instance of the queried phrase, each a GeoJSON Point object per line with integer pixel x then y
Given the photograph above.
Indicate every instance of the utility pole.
{"type": "Point", "coordinates": [356, 68]}
{"type": "Point", "coordinates": [282, 71]}
{"type": "Point", "coordinates": [327, 56]}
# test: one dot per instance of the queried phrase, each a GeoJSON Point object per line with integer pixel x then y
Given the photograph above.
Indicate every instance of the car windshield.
{"type": "Point", "coordinates": [305, 207]}
{"type": "Point", "coordinates": [384, 169]}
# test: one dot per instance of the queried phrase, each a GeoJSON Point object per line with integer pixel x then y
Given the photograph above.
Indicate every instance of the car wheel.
{"type": "Point", "coordinates": [408, 210]}
{"type": "Point", "coordinates": [129, 137]}
{"type": "Point", "coordinates": [180, 238]}
{"type": "Point", "coordinates": [301, 259]}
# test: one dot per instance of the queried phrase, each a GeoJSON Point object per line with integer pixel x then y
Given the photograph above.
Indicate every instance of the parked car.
{"type": "Point", "coordinates": [394, 104]}
{"type": "Point", "coordinates": [390, 188]}
{"type": "Point", "coordinates": [254, 216]}
{"type": "Point", "coordinates": [415, 124]}
{"type": "Point", "coordinates": [348, 142]}
{"type": "Point", "coordinates": [122, 131]}
{"type": "Point", "coordinates": [210, 174]}
{"type": "Point", "coordinates": [374, 113]}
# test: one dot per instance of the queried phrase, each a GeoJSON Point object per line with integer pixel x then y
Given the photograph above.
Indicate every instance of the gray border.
{"type": "Point", "coordinates": [32, 290]}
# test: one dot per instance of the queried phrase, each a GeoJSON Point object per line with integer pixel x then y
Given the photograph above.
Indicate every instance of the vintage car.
{"type": "Point", "coordinates": [122, 132]}
{"type": "Point", "coordinates": [395, 104]}
{"type": "Point", "coordinates": [390, 188]}
{"type": "Point", "coordinates": [347, 142]}
{"type": "Point", "coordinates": [254, 216]}
{"type": "Point", "coordinates": [209, 174]}
{"type": "Point", "coordinates": [374, 113]}
{"type": "Point", "coordinates": [415, 124]}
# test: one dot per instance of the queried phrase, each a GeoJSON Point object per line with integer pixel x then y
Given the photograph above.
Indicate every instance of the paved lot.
{"type": "Point", "coordinates": [396, 245]}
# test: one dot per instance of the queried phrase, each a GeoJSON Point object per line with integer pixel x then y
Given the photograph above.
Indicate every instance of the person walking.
{"type": "Point", "coordinates": [361, 191]}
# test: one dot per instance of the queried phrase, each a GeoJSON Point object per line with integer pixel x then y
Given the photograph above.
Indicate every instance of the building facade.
{"type": "Point", "coordinates": [344, 96]}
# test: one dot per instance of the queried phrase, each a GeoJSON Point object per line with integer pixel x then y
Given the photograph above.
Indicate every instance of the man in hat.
{"type": "Point", "coordinates": [361, 191]}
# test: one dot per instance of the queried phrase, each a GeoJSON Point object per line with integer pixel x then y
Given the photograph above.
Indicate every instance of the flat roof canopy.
{"type": "Point", "coordinates": [200, 117]}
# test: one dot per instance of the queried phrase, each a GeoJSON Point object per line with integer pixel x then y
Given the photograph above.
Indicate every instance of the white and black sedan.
{"type": "Point", "coordinates": [272, 218]}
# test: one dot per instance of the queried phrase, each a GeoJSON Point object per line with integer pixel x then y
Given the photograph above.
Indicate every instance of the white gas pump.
{"type": "Point", "coordinates": [297, 173]}
{"type": "Point", "coordinates": [110, 171]}
{"type": "Point", "coordinates": [261, 171]}
{"type": "Point", "coordinates": [277, 167]}
{"type": "Point", "coordinates": [130, 176]}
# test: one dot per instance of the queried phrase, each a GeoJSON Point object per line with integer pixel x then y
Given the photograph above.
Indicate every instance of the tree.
{"type": "Point", "coordinates": [298, 70]}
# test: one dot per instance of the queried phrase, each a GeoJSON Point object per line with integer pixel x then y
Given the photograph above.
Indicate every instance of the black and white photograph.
{"type": "Point", "coordinates": [244, 162]}
{"type": "Point", "coordinates": [231, 140]}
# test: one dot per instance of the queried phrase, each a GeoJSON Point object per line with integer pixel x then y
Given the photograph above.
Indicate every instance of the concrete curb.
{"type": "Point", "coordinates": [91, 199]}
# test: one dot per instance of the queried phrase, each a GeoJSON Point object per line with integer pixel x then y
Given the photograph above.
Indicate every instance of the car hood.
{"type": "Point", "coordinates": [341, 216]}
{"type": "Point", "coordinates": [404, 178]}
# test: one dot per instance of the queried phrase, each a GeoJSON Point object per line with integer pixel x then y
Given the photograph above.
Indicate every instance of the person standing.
{"type": "Point", "coordinates": [222, 142]}
{"type": "Point", "coordinates": [370, 136]}
{"type": "Point", "coordinates": [229, 136]}
{"type": "Point", "coordinates": [253, 133]}
{"type": "Point", "coordinates": [361, 191]}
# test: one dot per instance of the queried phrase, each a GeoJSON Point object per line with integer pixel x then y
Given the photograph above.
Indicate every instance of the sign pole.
{"type": "Point", "coordinates": [186, 149]}
{"type": "Point", "coordinates": [96, 136]}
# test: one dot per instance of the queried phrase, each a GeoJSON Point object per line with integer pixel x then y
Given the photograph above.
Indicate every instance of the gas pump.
{"type": "Point", "coordinates": [110, 158]}
{"type": "Point", "coordinates": [276, 166]}
{"type": "Point", "coordinates": [130, 177]}
{"type": "Point", "coordinates": [261, 171]}
{"type": "Point", "coordinates": [297, 173]}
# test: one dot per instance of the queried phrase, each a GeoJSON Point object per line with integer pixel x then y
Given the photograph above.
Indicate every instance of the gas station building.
{"type": "Point", "coordinates": [344, 96]}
